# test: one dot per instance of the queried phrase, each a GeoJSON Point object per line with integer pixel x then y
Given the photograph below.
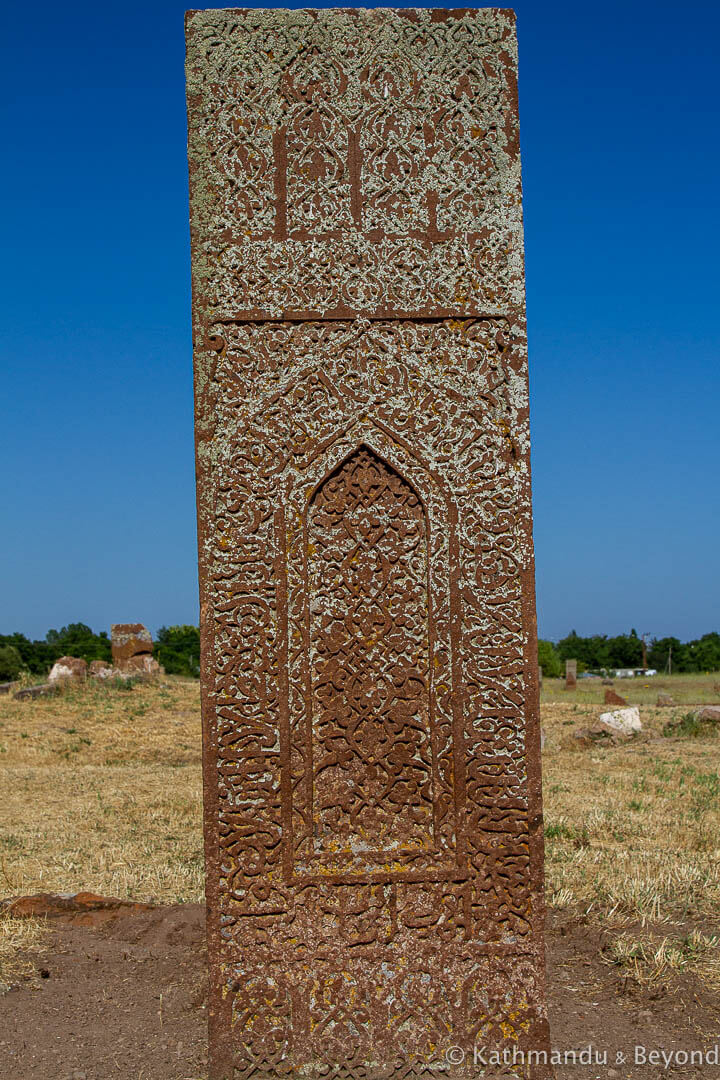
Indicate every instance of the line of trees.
{"type": "Point", "coordinates": [177, 648]}
{"type": "Point", "coordinates": [600, 652]}
{"type": "Point", "coordinates": [18, 653]}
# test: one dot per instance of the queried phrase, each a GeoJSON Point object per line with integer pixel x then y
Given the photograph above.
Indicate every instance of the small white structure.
{"type": "Point", "coordinates": [625, 673]}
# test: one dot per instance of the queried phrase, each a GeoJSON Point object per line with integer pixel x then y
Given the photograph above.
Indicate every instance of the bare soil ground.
{"type": "Point", "coordinates": [101, 791]}
{"type": "Point", "coordinates": [125, 1000]}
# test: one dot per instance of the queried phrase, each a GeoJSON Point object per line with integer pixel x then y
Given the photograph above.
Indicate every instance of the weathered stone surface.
{"type": "Point", "coordinates": [7, 687]}
{"type": "Point", "coordinates": [570, 674]}
{"type": "Point", "coordinates": [141, 665]}
{"type": "Point", "coordinates": [665, 699]}
{"type": "Point", "coordinates": [709, 714]}
{"type": "Point", "coordinates": [100, 669]}
{"type": "Point", "coordinates": [626, 721]}
{"type": "Point", "coordinates": [84, 908]}
{"type": "Point", "coordinates": [371, 735]}
{"type": "Point", "coordinates": [41, 690]}
{"type": "Point", "coordinates": [129, 640]}
{"type": "Point", "coordinates": [611, 698]}
{"type": "Point", "coordinates": [68, 669]}
{"type": "Point", "coordinates": [584, 738]}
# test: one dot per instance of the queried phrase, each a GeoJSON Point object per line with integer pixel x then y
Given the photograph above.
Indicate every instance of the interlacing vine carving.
{"type": "Point", "coordinates": [372, 767]}
{"type": "Point", "coordinates": [373, 814]}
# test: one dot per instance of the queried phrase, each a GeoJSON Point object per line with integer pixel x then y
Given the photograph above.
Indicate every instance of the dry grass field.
{"type": "Point", "coordinates": [102, 791]}
{"type": "Point", "coordinates": [684, 689]}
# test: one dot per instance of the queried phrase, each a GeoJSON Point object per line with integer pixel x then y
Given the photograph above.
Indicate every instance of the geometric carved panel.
{"type": "Point", "coordinates": [369, 663]}
{"type": "Point", "coordinates": [373, 819]}
{"type": "Point", "coordinates": [373, 791]}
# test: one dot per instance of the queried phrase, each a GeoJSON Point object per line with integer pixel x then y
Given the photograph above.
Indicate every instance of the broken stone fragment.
{"type": "Point", "coordinates": [85, 908]}
{"type": "Point", "coordinates": [100, 669]}
{"type": "Point", "coordinates": [624, 721]}
{"type": "Point", "coordinates": [41, 690]}
{"type": "Point", "coordinates": [141, 665]}
{"type": "Point", "coordinates": [68, 669]}
{"type": "Point", "coordinates": [129, 640]}
{"type": "Point", "coordinates": [709, 714]}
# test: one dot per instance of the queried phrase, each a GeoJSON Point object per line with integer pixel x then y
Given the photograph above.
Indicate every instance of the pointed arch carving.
{"type": "Point", "coordinates": [369, 733]}
{"type": "Point", "coordinates": [369, 661]}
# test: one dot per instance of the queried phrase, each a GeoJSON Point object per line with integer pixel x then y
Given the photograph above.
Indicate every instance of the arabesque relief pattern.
{"type": "Point", "coordinates": [365, 542]}
{"type": "Point", "coordinates": [390, 147]}
{"type": "Point", "coordinates": [369, 671]}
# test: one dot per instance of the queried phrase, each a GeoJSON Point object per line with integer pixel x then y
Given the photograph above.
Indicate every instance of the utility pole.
{"type": "Point", "coordinates": [669, 663]}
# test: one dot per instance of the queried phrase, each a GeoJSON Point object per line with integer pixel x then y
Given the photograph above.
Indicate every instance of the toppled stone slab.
{"type": "Point", "coordinates": [7, 687]}
{"type": "Point", "coordinates": [86, 908]}
{"type": "Point", "coordinates": [586, 737]}
{"type": "Point", "coordinates": [611, 698]}
{"type": "Point", "coordinates": [68, 669]}
{"type": "Point", "coordinates": [41, 690]}
{"type": "Point", "coordinates": [624, 721]}
{"type": "Point", "coordinates": [709, 714]}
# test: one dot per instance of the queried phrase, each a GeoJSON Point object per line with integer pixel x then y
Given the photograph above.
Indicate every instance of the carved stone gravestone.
{"type": "Point", "coordinates": [372, 777]}
{"type": "Point", "coordinates": [570, 674]}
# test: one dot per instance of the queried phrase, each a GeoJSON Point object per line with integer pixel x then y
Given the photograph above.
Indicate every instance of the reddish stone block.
{"type": "Point", "coordinates": [129, 640]}
{"type": "Point", "coordinates": [68, 669]}
{"type": "Point", "coordinates": [99, 669]}
{"type": "Point", "coordinates": [369, 661]}
{"type": "Point", "coordinates": [570, 674]}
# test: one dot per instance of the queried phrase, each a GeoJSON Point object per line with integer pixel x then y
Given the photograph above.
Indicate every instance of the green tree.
{"type": "Point", "coordinates": [659, 652]}
{"type": "Point", "coordinates": [77, 639]}
{"type": "Point", "coordinates": [583, 649]}
{"type": "Point", "coordinates": [26, 648]}
{"type": "Point", "coordinates": [178, 650]}
{"type": "Point", "coordinates": [549, 660]}
{"type": "Point", "coordinates": [10, 663]}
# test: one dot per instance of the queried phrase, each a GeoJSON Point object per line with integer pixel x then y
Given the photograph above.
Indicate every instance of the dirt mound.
{"type": "Point", "coordinates": [125, 1000]}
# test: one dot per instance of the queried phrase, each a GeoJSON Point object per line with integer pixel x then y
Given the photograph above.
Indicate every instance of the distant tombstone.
{"type": "Point", "coordinates": [570, 674]}
{"type": "Point", "coordinates": [132, 647]}
{"type": "Point", "coordinates": [369, 663]}
{"type": "Point", "coordinates": [611, 698]}
{"type": "Point", "coordinates": [68, 669]}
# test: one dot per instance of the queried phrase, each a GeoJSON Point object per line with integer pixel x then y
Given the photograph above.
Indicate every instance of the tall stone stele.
{"type": "Point", "coordinates": [570, 674]}
{"type": "Point", "coordinates": [372, 775]}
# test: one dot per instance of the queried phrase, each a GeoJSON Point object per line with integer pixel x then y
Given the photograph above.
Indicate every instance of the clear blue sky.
{"type": "Point", "coordinates": [619, 114]}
